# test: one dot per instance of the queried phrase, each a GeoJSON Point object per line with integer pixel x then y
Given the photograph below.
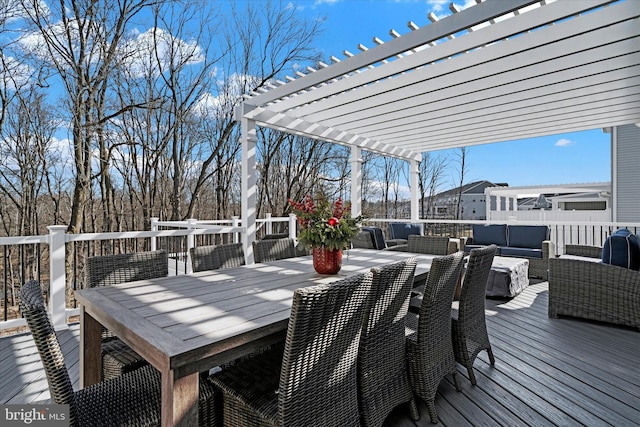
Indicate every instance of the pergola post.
{"type": "Point", "coordinates": [414, 175]}
{"type": "Point", "coordinates": [356, 181]}
{"type": "Point", "coordinates": [248, 139]}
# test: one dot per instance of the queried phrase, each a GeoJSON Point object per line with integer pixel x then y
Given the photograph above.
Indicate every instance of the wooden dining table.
{"type": "Point", "coordinates": [184, 325]}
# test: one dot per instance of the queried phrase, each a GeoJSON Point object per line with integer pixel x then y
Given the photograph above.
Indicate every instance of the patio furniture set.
{"type": "Point", "coordinates": [509, 273]}
{"type": "Point", "coordinates": [314, 377]}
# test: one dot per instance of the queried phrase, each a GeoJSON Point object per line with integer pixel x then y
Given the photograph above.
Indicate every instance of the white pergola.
{"type": "Point", "coordinates": [496, 71]}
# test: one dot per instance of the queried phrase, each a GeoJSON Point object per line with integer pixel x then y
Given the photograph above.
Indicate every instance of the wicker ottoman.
{"type": "Point", "coordinates": [508, 277]}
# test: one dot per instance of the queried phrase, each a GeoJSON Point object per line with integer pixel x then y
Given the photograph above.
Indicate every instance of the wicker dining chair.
{"type": "Point", "coordinates": [362, 240]}
{"type": "Point", "coordinates": [107, 270]}
{"type": "Point", "coordinates": [469, 326]}
{"type": "Point", "coordinates": [434, 245]}
{"type": "Point", "coordinates": [211, 257]}
{"type": "Point", "coordinates": [429, 345]}
{"type": "Point", "coordinates": [267, 250]}
{"type": "Point", "coordinates": [131, 399]}
{"type": "Point", "coordinates": [383, 380]}
{"type": "Point", "coordinates": [313, 383]}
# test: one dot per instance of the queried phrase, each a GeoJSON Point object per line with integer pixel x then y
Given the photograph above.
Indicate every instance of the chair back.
{"type": "Point", "coordinates": [275, 236]}
{"type": "Point", "coordinates": [273, 249]}
{"type": "Point", "coordinates": [105, 270]}
{"type": "Point", "coordinates": [362, 240]}
{"type": "Point", "coordinates": [383, 380]}
{"type": "Point", "coordinates": [33, 309]}
{"type": "Point", "coordinates": [319, 375]}
{"type": "Point", "coordinates": [434, 245]}
{"type": "Point", "coordinates": [434, 317]}
{"type": "Point", "coordinates": [474, 285]}
{"type": "Point", "coordinates": [402, 230]}
{"type": "Point", "coordinates": [216, 257]}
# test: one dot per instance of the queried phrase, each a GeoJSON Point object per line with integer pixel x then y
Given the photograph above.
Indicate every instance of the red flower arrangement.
{"type": "Point", "coordinates": [325, 224]}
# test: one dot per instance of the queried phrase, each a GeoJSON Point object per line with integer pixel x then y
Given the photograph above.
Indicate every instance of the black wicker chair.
{"type": "Point", "coordinates": [469, 326]}
{"type": "Point", "coordinates": [429, 343]}
{"type": "Point", "coordinates": [362, 240]}
{"type": "Point", "coordinates": [106, 270]}
{"type": "Point", "coordinates": [314, 381]}
{"type": "Point", "coordinates": [383, 380]}
{"type": "Point", "coordinates": [267, 250]}
{"type": "Point", "coordinates": [216, 257]}
{"type": "Point", "coordinates": [131, 399]}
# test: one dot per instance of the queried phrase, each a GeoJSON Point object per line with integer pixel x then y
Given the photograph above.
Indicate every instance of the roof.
{"type": "Point", "coordinates": [496, 71]}
{"type": "Point", "coordinates": [476, 187]}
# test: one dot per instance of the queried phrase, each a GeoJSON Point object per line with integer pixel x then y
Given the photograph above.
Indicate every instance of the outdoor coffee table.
{"type": "Point", "coordinates": [508, 277]}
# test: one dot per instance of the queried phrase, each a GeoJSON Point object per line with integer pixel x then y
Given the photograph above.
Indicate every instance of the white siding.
{"type": "Point", "coordinates": [627, 173]}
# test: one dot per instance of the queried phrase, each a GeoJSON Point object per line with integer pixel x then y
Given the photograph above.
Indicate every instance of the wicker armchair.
{"type": "Point", "coordinates": [582, 286]}
{"type": "Point", "coordinates": [428, 337]}
{"type": "Point", "coordinates": [383, 381]}
{"type": "Point", "coordinates": [131, 399]}
{"type": "Point", "coordinates": [314, 381]}
{"type": "Point", "coordinates": [469, 326]}
{"type": "Point", "coordinates": [216, 257]}
{"type": "Point", "coordinates": [106, 270]}
{"type": "Point", "coordinates": [274, 249]}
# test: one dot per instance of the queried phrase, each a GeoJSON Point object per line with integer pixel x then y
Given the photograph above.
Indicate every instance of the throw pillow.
{"type": "Point", "coordinates": [622, 249]}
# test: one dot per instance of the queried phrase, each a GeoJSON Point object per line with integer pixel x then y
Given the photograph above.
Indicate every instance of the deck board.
{"type": "Point", "coordinates": [548, 372]}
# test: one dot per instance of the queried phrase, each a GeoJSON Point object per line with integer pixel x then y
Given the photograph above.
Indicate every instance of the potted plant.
{"type": "Point", "coordinates": [326, 228]}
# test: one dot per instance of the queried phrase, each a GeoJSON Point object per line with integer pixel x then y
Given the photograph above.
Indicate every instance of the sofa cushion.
{"type": "Point", "coordinates": [527, 236]}
{"type": "Point", "coordinates": [622, 249]}
{"type": "Point", "coordinates": [490, 234]}
{"type": "Point", "coordinates": [521, 252]}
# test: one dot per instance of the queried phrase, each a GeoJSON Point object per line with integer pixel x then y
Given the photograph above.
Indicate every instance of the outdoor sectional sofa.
{"type": "Point", "coordinates": [581, 285]}
{"type": "Point", "coordinates": [522, 241]}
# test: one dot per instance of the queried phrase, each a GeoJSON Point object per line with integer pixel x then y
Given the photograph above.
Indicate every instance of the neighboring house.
{"type": "Point", "coordinates": [472, 203]}
{"type": "Point", "coordinates": [579, 202]}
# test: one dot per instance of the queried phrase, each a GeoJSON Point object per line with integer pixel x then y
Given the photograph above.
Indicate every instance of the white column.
{"type": "Point", "coordinates": [356, 181]}
{"type": "Point", "coordinates": [235, 222]}
{"type": "Point", "coordinates": [191, 242]}
{"type": "Point", "coordinates": [58, 280]}
{"type": "Point", "coordinates": [414, 168]}
{"type": "Point", "coordinates": [154, 227]}
{"type": "Point", "coordinates": [293, 227]}
{"type": "Point", "coordinates": [268, 223]}
{"type": "Point", "coordinates": [248, 140]}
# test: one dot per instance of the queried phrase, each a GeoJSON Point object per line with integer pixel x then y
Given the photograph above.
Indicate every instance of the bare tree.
{"type": "Point", "coordinates": [28, 135]}
{"type": "Point", "coordinates": [462, 172]}
{"type": "Point", "coordinates": [293, 166]}
{"type": "Point", "coordinates": [431, 172]}
{"type": "Point", "coordinates": [79, 41]}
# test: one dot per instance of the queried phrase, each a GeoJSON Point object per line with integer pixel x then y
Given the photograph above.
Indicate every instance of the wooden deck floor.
{"type": "Point", "coordinates": [548, 372]}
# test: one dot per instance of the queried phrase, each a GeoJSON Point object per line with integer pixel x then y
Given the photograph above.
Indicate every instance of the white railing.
{"type": "Point", "coordinates": [56, 242]}
{"type": "Point", "coordinates": [562, 233]}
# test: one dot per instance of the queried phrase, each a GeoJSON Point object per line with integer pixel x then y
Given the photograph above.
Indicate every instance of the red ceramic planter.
{"type": "Point", "coordinates": [327, 261]}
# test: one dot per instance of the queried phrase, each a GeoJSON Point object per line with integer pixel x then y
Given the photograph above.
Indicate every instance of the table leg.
{"type": "Point", "coordinates": [180, 399]}
{"type": "Point", "coordinates": [90, 350]}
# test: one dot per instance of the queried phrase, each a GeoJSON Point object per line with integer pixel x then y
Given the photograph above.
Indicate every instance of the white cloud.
{"type": "Point", "coordinates": [139, 53]}
{"type": "Point", "coordinates": [563, 142]}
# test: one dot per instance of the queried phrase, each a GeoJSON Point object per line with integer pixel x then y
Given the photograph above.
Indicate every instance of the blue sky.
{"type": "Point", "coordinates": [578, 157]}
